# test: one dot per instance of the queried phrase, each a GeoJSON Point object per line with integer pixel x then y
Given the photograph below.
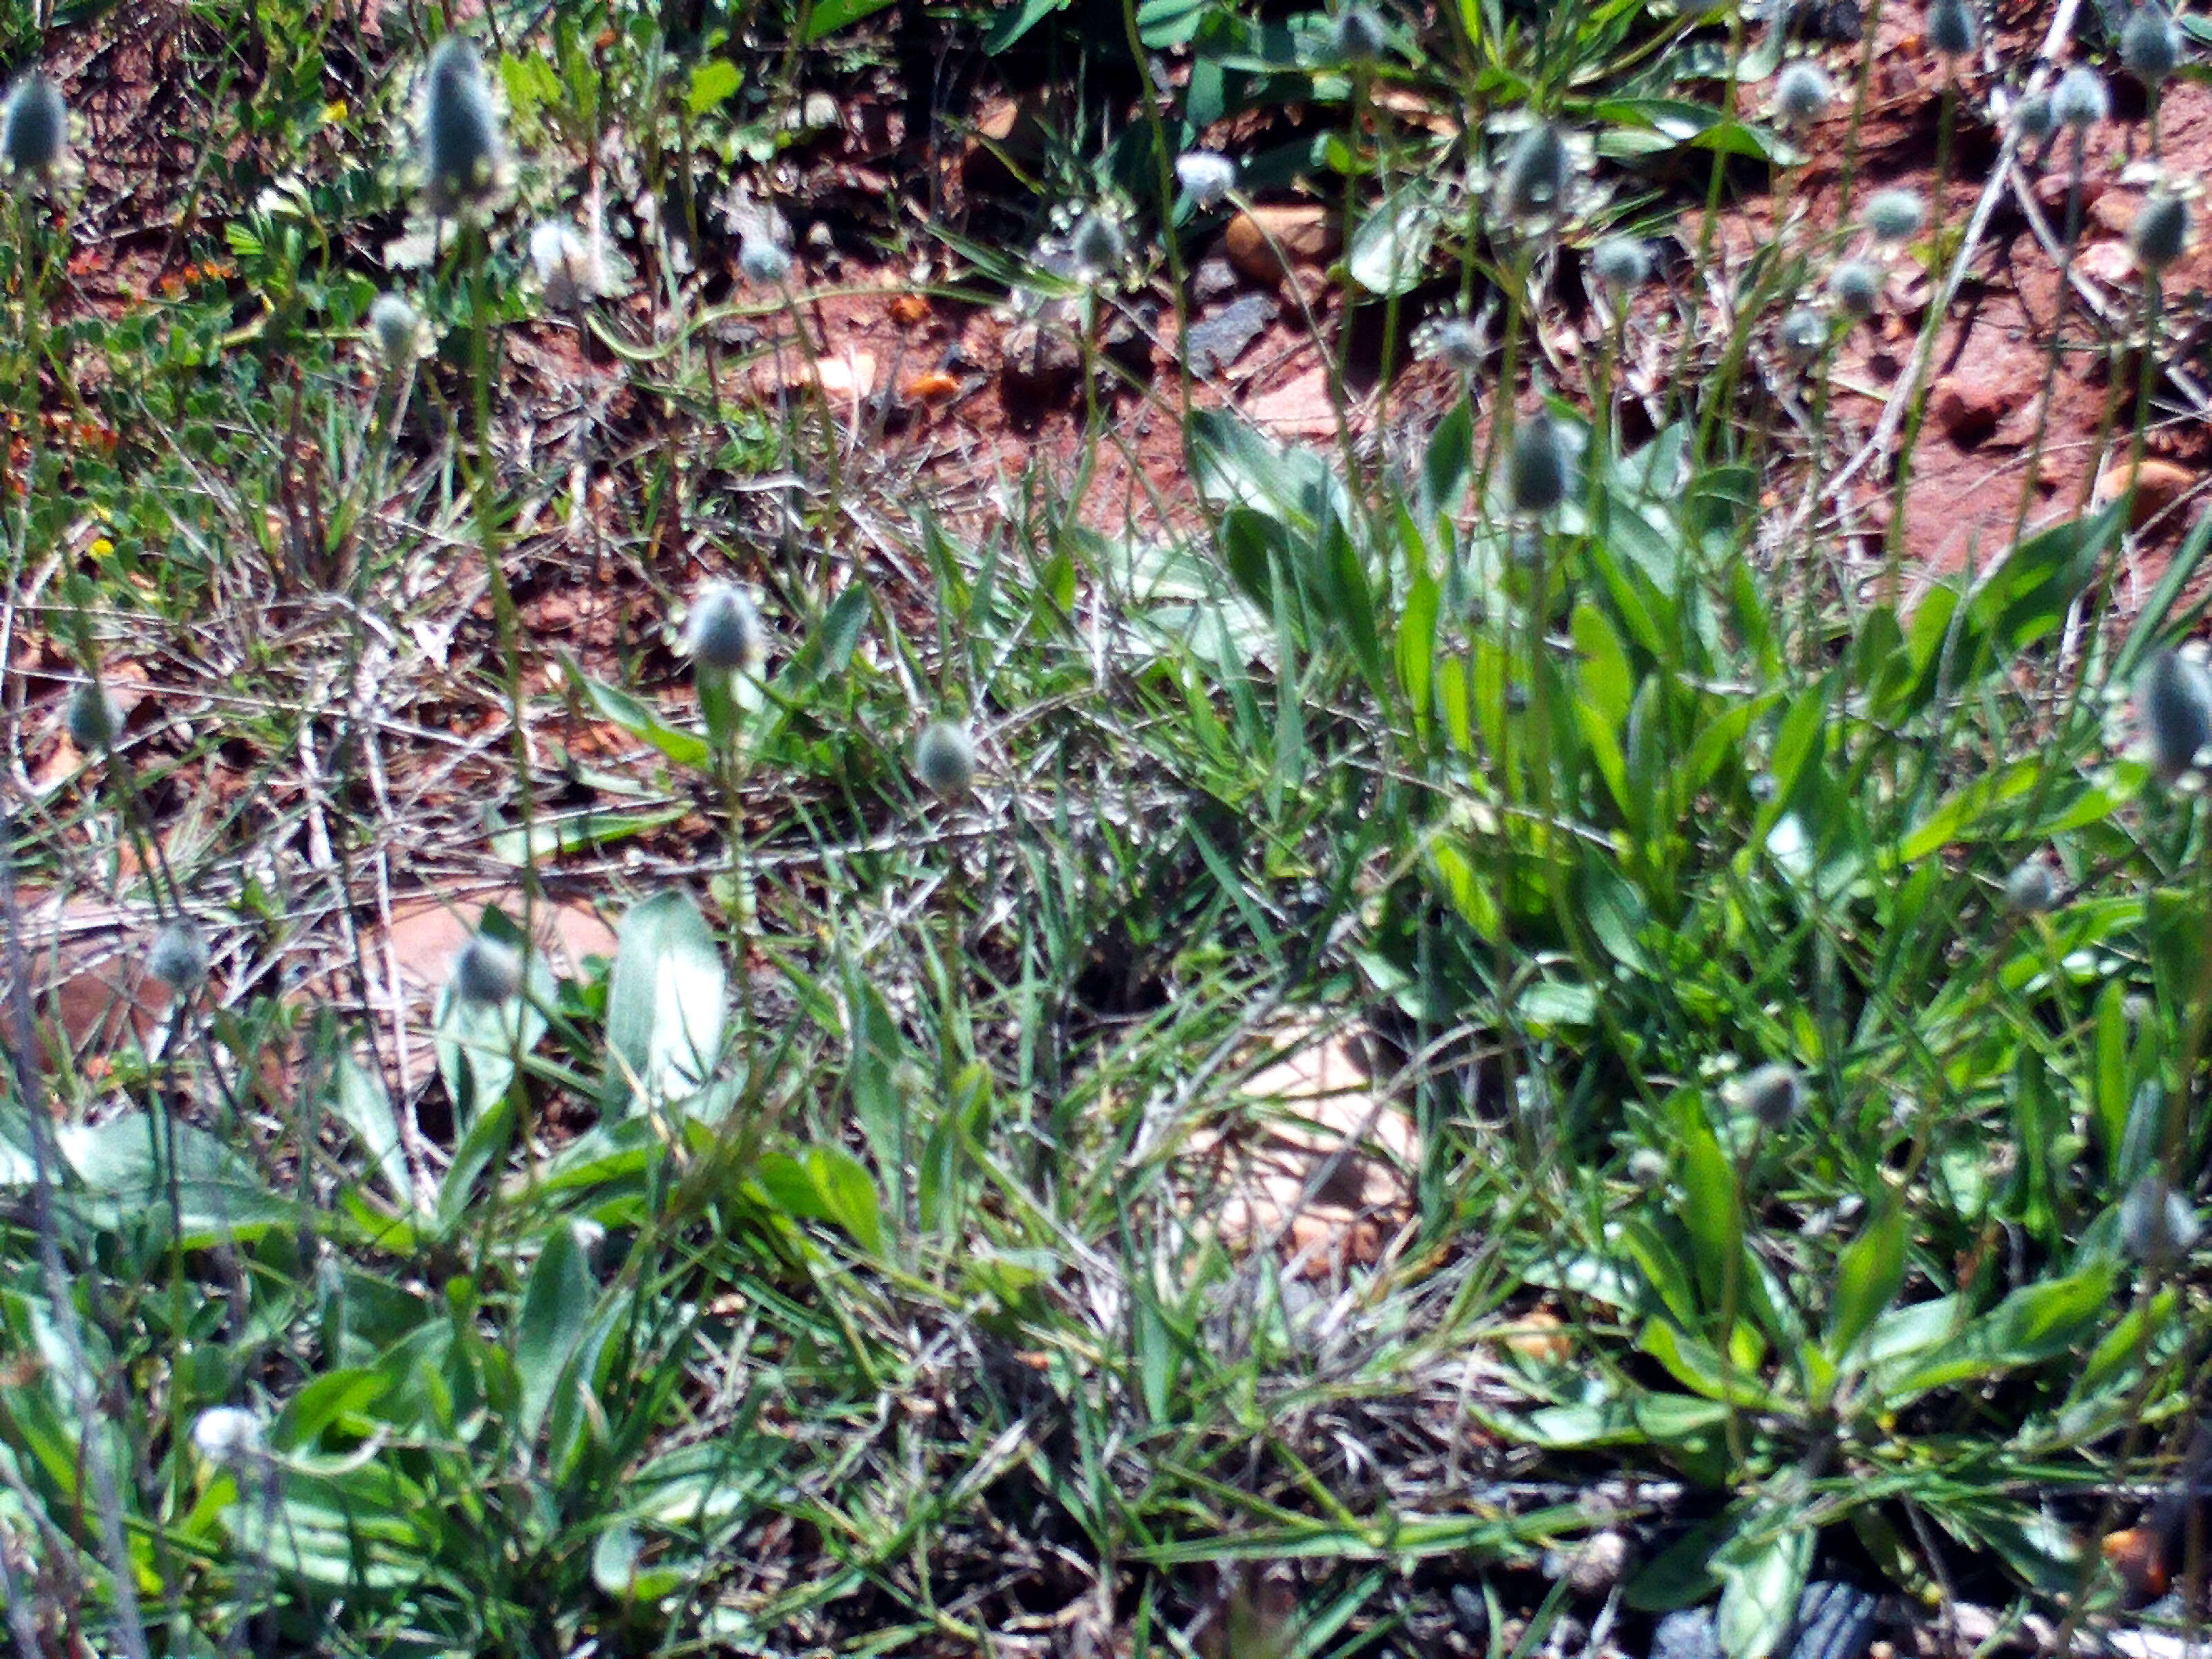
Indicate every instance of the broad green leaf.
{"type": "Point", "coordinates": [2035, 1324]}
{"type": "Point", "coordinates": [557, 1309]}
{"type": "Point", "coordinates": [1417, 648]}
{"type": "Point", "coordinates": [1761, 1579]}
{"type": "Point", "coordinates": [830, 15]}
{"type": "Point", "coordinates": [667, 1002]}
{"type": "Point", "coordinates": [685, 748]}
{"type": "Point", "coordinates": [126, 1178]}
{"type": "Point", "coordinates": [358, 1097]}
{"type": "Point", "coordinates": [825, 1183]}
{"type": "Point", "coordinates": [1869, 1275]}
{"type": "Point", "coordinates": [712, 80]}
{"type": "Point", "coordinates": [1389, 252]}
{"type": "Point", "coordinates": [1712, 1209]}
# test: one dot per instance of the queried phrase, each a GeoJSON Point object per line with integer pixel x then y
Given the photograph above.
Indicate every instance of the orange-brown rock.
{"type": "Point", "coordinates": [1269, 242]}
{"type": "Point", "coordinates": [2158, 484]}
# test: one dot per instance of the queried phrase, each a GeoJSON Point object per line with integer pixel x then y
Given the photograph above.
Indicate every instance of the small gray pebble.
{"type": "Point", "coordinates": [1213, 279]}
{"type": "Point", "coordinates": [1689, 1634]}
{"type": "Point", "coordinates": [1835, 1621]}
{"type": "Point", "coordinates": [1470, 1611]}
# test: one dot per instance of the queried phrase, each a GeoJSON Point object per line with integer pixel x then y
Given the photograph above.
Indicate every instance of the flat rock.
{"type": "Point", "coordinates": [1267, 242]}
{"type": "Point", "coordinates": [1219, 340]}
{"type": "Point", "coordinates": [845, 372]}
{"type": "Point", "coordinates": [1300, 409]}
{"type": "Point", "coordinates": [2115, 210]}
{"type": "Point", "coordinates": [2051, 194]}
{"type": "Point", "coordinates": [426, 932]}
{"type": "Point", "coordinates": [2109, 263]}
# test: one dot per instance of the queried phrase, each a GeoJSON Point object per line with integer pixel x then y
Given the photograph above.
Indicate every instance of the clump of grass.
{"type": "Point", "coordinates": [1503, 753]}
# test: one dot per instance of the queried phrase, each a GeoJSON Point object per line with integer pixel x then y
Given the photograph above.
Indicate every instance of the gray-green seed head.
{"type": "Point", "coordinates": [2159, 235]}
{"type": "Point", "coordinates": [2031, 888]}
{"type": "Point", "coordinates": [1538, 171]}
{"type": "Point", "coordinates": [1097, 247]}
{"type": "Point", "coordinates": [2150, 45]}
{"type": "Point", "coordinates": [2158, 1225]}
{"type": "Point", "coordinates": [1857, 287]}
{"type": "Point", "coordinates": [92, 718]}
{"type": "Point", "coordinates": [1804, 334]}
{"type": "Point", "coordinates": [178, 957]}
{"type": "Point", "coordinates": [944, 760]}
{"type": "Point", "coordinates": [2173, 700]}
{"type": "Point", "coordinates": [34, 128]}
{"type": "Point", "coordinates": [486, 971]}
{"type": "Point", "coordinates": [1457, 341]}
{"type": "Point", "coordinates": [1895, 216]}
{"type": "Point", "coordinates": [460, 130]}
{"type": "Point", "coordinates": [1803, 91]}
{"type": "Point", "coordinates": [1621, 263]}
{"type": "Point", "coordinates": [397, 329]}
{"type": "Point", "coordinates": [1356, 35]}
{"type": "Point", "coordinates": [2081, 99]}
{"type": "Point", "coordinates": [1538, 469]}
{"type": "Point", "coordinates": [1951, 28]}
{"type": "Point", "coordinates": [1647, 1167]}
{"type": "Point", "coordinates": [725, 630]}
{"type": "Point", "coordinates": [2032, 116]}
{"type": "Point", "coordinates": [1206, 177]}
{"type": "Point", "coordinates": [228, 1436]}
{"type": "Point", "coordinates": [1773, 1094]}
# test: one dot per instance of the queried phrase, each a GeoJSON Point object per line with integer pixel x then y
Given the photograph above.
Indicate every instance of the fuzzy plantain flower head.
{"type": "Point", "coordinates": [462, 153]}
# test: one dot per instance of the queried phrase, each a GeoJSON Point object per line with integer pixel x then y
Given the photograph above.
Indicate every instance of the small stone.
{"type": "Point", "coordinates": [2052, 189]}
{"type": "Point", "coordinates": [1967, 408]}
{"type": "Point", "coordinates": [2109, 263]}
{"type": "Point", "coordinates": [1040, 363]}
{"type": "Point", "coordinates": [1470, 1612]}
{"type": "Point", "coordinates": [1687, 1634]}
{"type": "Point", "coordinates": [1303, 231]}
{"type": "Point", "coordinates": [2159, 484]}
{"type": "Point", "coordinates": [1215, 278]}
{"type": "Point", "coordinates": [2136, 1556]}
{"type": "Point", "coordinates": [1599, 1564]}
{"type": "Point", "coordinates": [2114, 210]}
{"type": "Point", "coordinates": [1541, 1336]}
{"type": "Point", "coordinates": [1835, 1621]}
